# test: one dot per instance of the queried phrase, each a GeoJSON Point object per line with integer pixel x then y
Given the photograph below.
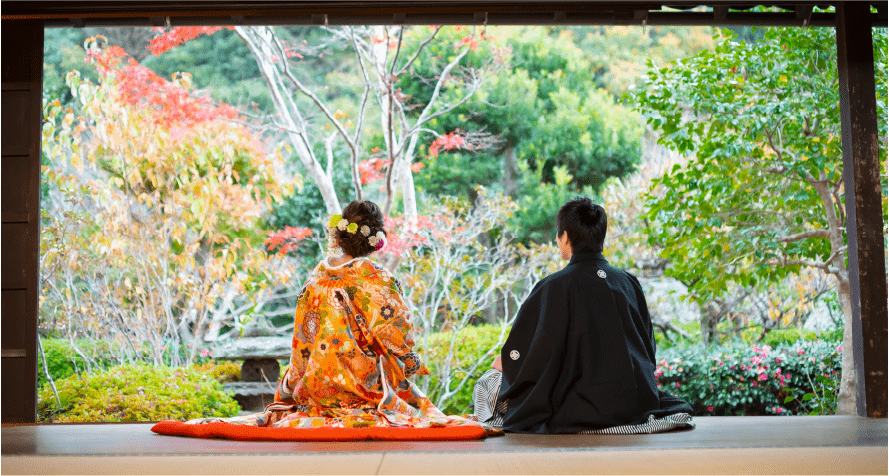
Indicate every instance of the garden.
{"type": "Point", "coordinates": [188, 176]}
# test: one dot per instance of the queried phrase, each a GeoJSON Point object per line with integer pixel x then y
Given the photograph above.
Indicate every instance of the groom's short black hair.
{"type": "Point", "coordinates": [586, 224]}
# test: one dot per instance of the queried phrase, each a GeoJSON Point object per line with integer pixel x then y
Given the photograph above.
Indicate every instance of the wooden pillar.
{"type": "Point", "coordinates": [864, 215]}
{"type": "Point", "coordinates": [22, 77]}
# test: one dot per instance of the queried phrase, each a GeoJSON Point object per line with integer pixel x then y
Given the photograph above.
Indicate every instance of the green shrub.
{"type": "Point", "coordinates": [744, 379]}
{"type": "Point", "coordinates": [693, 329]}
{"type": "Point", "coordinates": [223, 372]}
{"type": "Point", "coordinates": [136, 392]}
{"type": "Point", "coordinates": [471, 344]}
{"type": "Point", "coordinates": [778, 337]}
{"type": "Point", "coordinates": [63, 361]}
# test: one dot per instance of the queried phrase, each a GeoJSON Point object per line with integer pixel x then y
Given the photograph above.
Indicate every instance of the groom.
{"type": "Point", "coordinates": [580, 356]}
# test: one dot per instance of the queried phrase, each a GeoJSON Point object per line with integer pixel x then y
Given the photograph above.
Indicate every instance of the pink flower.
{"type": "Point", "coordinates": [777, 360]}
{"type": "Point", "coordinates": [766, 348]}
{"type": "Point", "coordinates": [763, 376]}
{"type": "Point", "coordinates": [757, 349]}
{"type": "Point", "coordinates": [779, 409]}
{"type": "Point", "coordinates": [710, 408]}
{"type": "Point", "coordinates": [677, 384]}
{"type": "Point", "coordinates": [801, 352]}
{"type": "Point", "coordinates": [777, 371]}
{"type": "Point", "coordinates": [205, 353]}
{"type": "Point", "coordinates": [839, 348]}
{"type": "Point", "coordinates": [753, 384]}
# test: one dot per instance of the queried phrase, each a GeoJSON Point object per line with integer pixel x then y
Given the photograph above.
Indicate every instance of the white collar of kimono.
{"type": "Point", "coordinates": [330, 266]}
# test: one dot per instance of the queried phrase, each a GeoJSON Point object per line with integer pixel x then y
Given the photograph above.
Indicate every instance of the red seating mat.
{"type": "Point", "coordinates": [251, 433]}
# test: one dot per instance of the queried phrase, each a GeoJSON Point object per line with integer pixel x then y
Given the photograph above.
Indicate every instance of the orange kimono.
{"type": "Point", "coordinates": [352, 356]}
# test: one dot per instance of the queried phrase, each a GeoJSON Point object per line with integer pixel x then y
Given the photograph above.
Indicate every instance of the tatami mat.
{"type": "Point", "coordinates": [719, 445]}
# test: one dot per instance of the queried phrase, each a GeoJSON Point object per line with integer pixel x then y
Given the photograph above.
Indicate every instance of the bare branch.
{"type": "Point", "coordinates": [416, 54]}
{"type": "Point", "coordinates": [804, 235]}
{"type": "Point", "coordinates": [397, 50]}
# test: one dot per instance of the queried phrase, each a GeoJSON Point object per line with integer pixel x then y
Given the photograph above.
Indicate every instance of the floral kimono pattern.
{"type": "Point", "coordinates": [351, 358]}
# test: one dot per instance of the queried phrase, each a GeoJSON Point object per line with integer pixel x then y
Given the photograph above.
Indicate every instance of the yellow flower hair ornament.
{"type": "Point", "coordinates": [337, 222]}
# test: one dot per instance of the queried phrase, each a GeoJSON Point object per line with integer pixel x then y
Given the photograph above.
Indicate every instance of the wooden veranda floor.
{"type": "Point", "coordinates": [719, 445]}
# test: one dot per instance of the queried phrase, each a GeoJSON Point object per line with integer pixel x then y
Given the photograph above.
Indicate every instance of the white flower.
{"type": "Point", "coordinates": [381, 235]}
{"type": "Point", "coordinates": [342, 224]}
{"type": "Point", "coordinates": [365, 230]}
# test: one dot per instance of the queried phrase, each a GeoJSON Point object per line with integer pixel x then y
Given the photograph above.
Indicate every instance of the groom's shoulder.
{"type": "Point", "coordinates": [561, 279]}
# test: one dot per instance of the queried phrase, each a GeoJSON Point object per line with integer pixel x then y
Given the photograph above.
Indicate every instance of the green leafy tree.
{"type": "Point", "coordinates": [763, 197]}
{"type": "Point", "coordinates": [618, 53]}
{"type": "Point", "coordinates": [553, 122]}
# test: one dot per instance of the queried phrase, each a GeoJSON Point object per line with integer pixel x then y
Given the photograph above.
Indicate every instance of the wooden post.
{"type": "Point", "coordinates": [864, 215]}
{"type": "Point", "coordinates": [22, 90]}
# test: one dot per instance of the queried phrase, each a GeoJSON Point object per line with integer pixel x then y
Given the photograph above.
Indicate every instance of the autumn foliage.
{"type": "Point", "coordinates": [167, 221]}
{"type": "Point", "coordinates": [452, 141]}
{"type": "Point", "coordinates": [168, 39]}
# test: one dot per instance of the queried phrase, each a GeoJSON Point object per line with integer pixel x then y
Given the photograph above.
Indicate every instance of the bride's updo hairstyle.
{"type": "Point", "coordinates": [363, 213]}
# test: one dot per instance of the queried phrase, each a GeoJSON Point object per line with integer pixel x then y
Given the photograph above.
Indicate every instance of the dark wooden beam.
{"type": "Point", "coordinates": [80, 14]}
{"type": "Point", "coordinates": [22, 78]}
{"type": "Point", "coordinates": [864, 215]}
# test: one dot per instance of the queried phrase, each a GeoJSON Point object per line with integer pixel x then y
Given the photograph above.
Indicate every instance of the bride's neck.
{"type": "Point", "coordinates": [344, 258]}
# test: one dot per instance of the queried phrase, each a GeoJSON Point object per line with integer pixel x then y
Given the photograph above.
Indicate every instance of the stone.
{"type": "Point", "coordinates": [253, 347]}
{"type": "Point", "coordinates": [260, 370]}
{"type": "Point", "coordinates": [250, 388]}
{"type": "Point", "coordinates": [252, 396]}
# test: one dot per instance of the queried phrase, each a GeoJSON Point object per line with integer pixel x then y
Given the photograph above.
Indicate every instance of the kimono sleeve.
{"type": "Point", "coordinates": [390, 323]}
{"type": "Point", "coordinates": [305, 326]}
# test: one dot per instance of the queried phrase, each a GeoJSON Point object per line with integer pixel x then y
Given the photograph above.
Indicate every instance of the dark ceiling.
{"type": "Point", "coordinates": [506, 12]}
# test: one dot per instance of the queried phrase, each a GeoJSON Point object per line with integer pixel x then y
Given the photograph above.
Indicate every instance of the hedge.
{"type": "Point", "coordinates": [472, 343]}
{"type": "Point", "coordinates": [136, 392]}
{"type": "Point", "coordinates": [744, 379]}
{"type": "Point", "coordinates": [63, 361]}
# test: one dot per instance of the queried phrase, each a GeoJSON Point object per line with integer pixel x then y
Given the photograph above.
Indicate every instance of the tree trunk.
{"type": "Point", "coordinates": [846, 400]}
{"type": "Point", "coordinates": [408, 194]}
{"type": "Point", "coordinates": [259, 40]}
{"type": "Point", "coordinates": [510, 172]}
{"type": "Point", "coordinates": [846, 404]}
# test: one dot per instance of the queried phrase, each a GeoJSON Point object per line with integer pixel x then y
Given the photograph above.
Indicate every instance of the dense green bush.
{"type": "Point", "coordinates": [778, 337]}
{"type": "Point", "coordinates": [471, 344]}
{"type": "Point", "coordinates": [62, 360]}
{"type": "Point", "coordinates": [136, 392]}
{"type": "Point", "coordinates": [744, 379]}
{"type": "Point", "coordinates": [223, 372]}
{"type": "Point", "coordinates": [751, 335]}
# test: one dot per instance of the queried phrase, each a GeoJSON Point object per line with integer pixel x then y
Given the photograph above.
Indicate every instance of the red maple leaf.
{"type": "Point", "coordinates": [448, 142]}
{"type": "Point", "coordinates": [173, 37]}
{"type": "Point", "coordinates": [287, 240]}
{"type": "Point", "coordinates": [170, 102]}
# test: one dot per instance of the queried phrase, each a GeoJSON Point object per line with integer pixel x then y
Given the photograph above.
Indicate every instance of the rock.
{"type": "Point", "coordinates": [249, 389]}
{"type": "Point", "coordinates": [251, 396]}
{"type": "Point", "coordinates": [259, 327]}
{"type": "Point", "coordinates": [253, 347]}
